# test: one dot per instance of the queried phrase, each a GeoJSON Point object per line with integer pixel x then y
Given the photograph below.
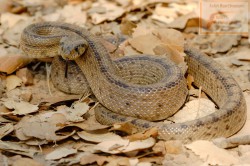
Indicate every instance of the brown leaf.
{"type": "Point", "coordinates": [174, 147]}
{"type": "Point", "coordinates": [89, 158]}
{"type": "Point", "coordinates": [127, 27]}
{"type": "Point", "coordinates": [152, 132]}
{"type": "Point", "coordinates": [181, 22]}
{"type": "Point", "coordinates": [26, 161]}
{"type": "Point", "coordinates": [11, 63]}
{"type": "Point", "coordinates": [20, 108]}
{"type": "Point", "coordinates": [195, 109]}
{"type": "Point", "coordinates": [145, 43]}
{"type": "Point", "coordinates": [212, 154]}
{"type": "Point", "coordinates": [12, 82]}
{"type": "Point", "coordinates": [60, 153]}
{"type": "Point", "coordinates": [124, 146]}
{"type": "Point", "coordinates": [6, 129]}
{"type": "Point", "coordinates": [26, 76]}
{"type": "Point", "coordinates": [124, 127]}
{"type": "Point", "coordinates": [98, 136]}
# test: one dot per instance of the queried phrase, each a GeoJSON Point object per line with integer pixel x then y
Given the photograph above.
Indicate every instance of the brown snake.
{"type": "Point", "coordinates": [141, 86]}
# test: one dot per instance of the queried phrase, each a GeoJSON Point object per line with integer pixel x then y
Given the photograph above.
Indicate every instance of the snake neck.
{"type": "Point", "coordinates": [96, 61]}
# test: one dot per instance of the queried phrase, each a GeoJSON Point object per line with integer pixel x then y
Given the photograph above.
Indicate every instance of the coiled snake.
{"type": "Point", "coordinates": [141, 88]}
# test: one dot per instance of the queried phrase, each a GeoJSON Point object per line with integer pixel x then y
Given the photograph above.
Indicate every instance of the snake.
{"type": "Point", "coordinates": [142, 89]}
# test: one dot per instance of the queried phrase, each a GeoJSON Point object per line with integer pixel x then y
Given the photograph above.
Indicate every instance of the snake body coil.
{"type": "Point", "coordinates": [142, 86]}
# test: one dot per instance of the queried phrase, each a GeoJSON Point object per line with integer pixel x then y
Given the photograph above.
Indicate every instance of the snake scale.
{"type": "Point", "coordinates": [139, 89]}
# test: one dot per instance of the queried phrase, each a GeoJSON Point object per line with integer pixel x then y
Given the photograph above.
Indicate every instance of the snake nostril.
{"type": "Point", "coordinates": [76, 49]}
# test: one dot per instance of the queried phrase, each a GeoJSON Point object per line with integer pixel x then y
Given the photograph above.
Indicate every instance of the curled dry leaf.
{"type": "Point", "coordinates": [195, 109]}
{"type": "Point", "coordinates": [210, 153]}
{"type": "Point", "coordinates": [60, 153]}
{"type": "Point", "coordinates": [21, 107]}
{"type": "Point", "coordinates": [12, 82]}
{"type": "Point", "coordinates": [123, 146]}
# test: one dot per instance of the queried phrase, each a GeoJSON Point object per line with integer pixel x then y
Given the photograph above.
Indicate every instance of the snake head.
{"type": "Point", "coordinates": [71, 48]}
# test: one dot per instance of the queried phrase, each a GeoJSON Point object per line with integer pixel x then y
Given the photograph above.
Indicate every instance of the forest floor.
{"type": "Point", "coordinates": [41, 125]}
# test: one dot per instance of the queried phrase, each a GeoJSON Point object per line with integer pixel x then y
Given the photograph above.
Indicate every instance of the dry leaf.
{"type": "Point", "coordinates": [11, 36]}
{"type": "Point", "coordinates": [224, 43]}
{"type": "Point", "coordinates": [171, 37]}
{"type": "Point", "coordinates": [194, 109]}
{"type": "Point", "coordinates": [124, 127]}
{"type": "Point", "coordinates": [26, 76]}
{"type": "Point", "coordinates": [151, 160]}
{"type": "Point", "coordinates": [181, 22]}
{"type": "Point", "coordinates": [98, 137]}
{"type": "Point", "coordinates": [41, 127]}
{"type": "Point", "coordinates": [25, 162]}
{"type": "Point", "coordinates": [21, 107]}
{"type": "Point", "coordinates": [123, 146]}
{"type": "Point", "coordinates": [75, 112]}
{"type": "Point", "coordinates": [127, 27]}
{"type": "Point", "coordinates": [60, 153]}
{"type": "Point", "coordinates": [6, 129]}
{"type": "Point", "coordinates": [141, 31]}
{"type": "Point", "coordinates": [74, 14]}
{"type": "Point", "coordinates": [10, 19]}
{"type": "Point", "coordinates": [212, 154]}
{"type": "Point", "coordinates": [18, 148]}
{"type": "Point", "coordinates": [164, 14]}
{"type": "Point", "coordinates": [168, 42]}
{"type": "Point", "coordinates": [89, 158]}
{"type": "Point", "coordinates": [12, 82]}
{"type": "Point", "coordinates": [90, 124]}
{"type": "Point", "coordinates": [159, 148]}
{"type": "Point", "coordinates": [107, 11]}
{"type": "Point", "coordinates": [11, 63]}
{"type": "Point", "coordinates": [145, 43]}
{"type": "Point", "coordinates": [59, 99]}
{"type": "Point", "coordinates": [119, 161]}
{"type": "Point", "coordinates": [152, 132]}
{"type": "Point", "coordinates": [174, 147]}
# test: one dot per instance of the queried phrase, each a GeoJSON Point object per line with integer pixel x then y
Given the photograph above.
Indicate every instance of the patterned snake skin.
{"type": "Point", "coordinates": [141, 88]}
